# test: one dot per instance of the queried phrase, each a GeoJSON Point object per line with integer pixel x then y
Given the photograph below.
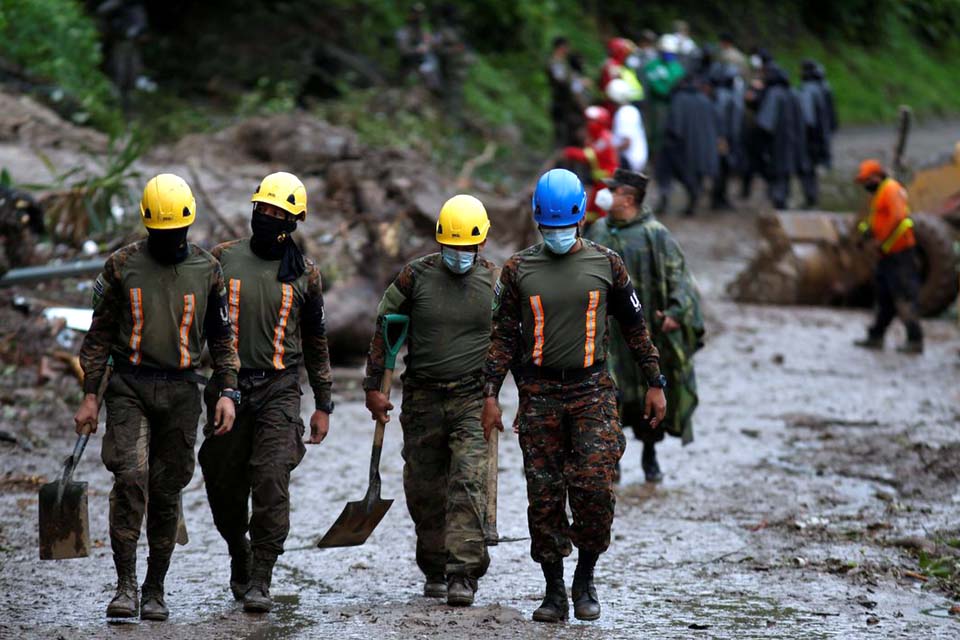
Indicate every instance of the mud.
{"type": "Point", "coordinates": [817, 473]}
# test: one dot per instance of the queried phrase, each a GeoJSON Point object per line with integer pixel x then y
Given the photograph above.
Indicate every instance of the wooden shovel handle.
{"type": "Point", "coordinates": [493, 463]}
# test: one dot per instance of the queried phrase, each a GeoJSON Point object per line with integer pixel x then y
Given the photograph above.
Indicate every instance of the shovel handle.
{"type": "Point", "coordinates": [395, 327]}
{"type": "Point", "coordinates": [84, 437]}
{"type": "Point", "coordinates": [374, 490]}
{"type": "Point", "coordinates": [490, 535]}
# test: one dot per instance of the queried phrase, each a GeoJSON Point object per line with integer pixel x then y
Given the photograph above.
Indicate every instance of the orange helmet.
{"type": "Point", "coordinates": [870, 168]}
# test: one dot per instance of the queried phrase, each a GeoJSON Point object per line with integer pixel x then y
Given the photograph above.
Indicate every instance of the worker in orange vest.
{"type": "Point", "coordinates": [897, 277]}
{"type": "Point", "coordinates": [599, 152]}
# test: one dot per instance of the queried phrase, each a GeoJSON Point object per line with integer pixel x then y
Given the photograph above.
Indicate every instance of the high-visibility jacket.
{"type": "Point", "coordinates": [889, 220]}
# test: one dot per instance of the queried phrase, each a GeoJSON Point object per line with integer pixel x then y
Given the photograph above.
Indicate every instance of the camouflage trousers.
{"type": "Point", "coordinates": [571, 441]}
{"type": "Point", "coordinates": [148, 446]}
{"type": "Point", "coordinates": [253, 463]}
{"type": "Point", "coordinates": [444, 475]}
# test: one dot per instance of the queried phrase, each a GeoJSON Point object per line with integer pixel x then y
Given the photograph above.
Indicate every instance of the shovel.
{"type": "Point", "coordinates": [490, 535]}
{"type": "Point", "coordinates": [64, 523]}
{"type": "Point", "coordinates": [359, 519]}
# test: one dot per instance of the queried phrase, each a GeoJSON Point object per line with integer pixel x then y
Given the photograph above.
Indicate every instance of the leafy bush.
{"type": "Point", "coordinates": [55, 41]}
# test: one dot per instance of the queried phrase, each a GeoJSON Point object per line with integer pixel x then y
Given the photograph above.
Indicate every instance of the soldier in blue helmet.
{"type": "Point", "coordinates": [550, 328]}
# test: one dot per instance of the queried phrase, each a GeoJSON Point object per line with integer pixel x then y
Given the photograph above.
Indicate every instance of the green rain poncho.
{"type": "Point", "coordinates": [663, 282]}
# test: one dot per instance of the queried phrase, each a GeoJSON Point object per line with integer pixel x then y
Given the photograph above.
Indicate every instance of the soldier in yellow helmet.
{"type": "Point", "coordinates": [156, 303]}
{"type": "Point", "coordinates": [448, 296]}
{"type": "Point", "coordinates": [275, 303]}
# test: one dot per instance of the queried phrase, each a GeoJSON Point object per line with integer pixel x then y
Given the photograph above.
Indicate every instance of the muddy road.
{"type": "Point", "coordinates": [817, 472]}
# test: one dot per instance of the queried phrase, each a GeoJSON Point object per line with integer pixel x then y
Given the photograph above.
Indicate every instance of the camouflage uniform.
{"type": "Point", "coordinates": [654, 259]}
{"type": "Point", "coordinates": [153, 320]}
{"type": "Point", "coordinates": [549, 327]}
{"type": "Point", "coordinates": [444, 450]}
{"type": "Point", "coordinates": [278, 327]}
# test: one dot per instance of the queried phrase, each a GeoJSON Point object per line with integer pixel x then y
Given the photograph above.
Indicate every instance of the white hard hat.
{"type": "Point", "coordinates": [620, 91]}
{"type": "Point", "coordinates": [669, 43]}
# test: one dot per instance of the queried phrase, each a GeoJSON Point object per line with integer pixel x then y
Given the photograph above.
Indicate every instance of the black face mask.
{"type": "Point", "coordinates": [271, 241]}
{"type": "Point", "coordinates": [872, 187]}
{"type": "Point", "coordinates": [168, 246]}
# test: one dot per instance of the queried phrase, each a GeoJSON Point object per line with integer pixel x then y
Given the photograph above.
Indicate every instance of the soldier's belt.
{"type": "Point", "coordinates": [257, 374]}
{"type": "Point", "coordinates": [154, 373]}
{"type": "Point", "coordinates": [533, 372]}
{"type": "Point", "coordinates": [469, 380]}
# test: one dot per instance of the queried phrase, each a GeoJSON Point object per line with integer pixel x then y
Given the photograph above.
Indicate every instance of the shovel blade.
{"type": "Point", "coordinates": [355, 524]}
{"type": "Point", "coordinates": [64, 523]}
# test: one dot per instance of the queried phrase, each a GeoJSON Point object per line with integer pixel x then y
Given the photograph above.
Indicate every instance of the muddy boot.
{"type": "Point", "coordinates": [460, 590]}
{"type": "Point", "coordinates": [586, 606]}
{"type": "Point", "coordinates": [153, 607]}
{"type": "Point", "coordinates": [240, 561]}
{"type": "Point", "coordinates": [257, 598]}
{"type": "Point", "coordinates": [435, 587]}
{"type": "Point", "coordinates": [554, 607]}
{"type": "Point", "coordinates": [651, 468]}
{"type": "Point", "coordinates": [125, 603]}
{"type": "Point", "coordinates": [870, 342]}
{"type": "Point", "coordinates": [911, 347]}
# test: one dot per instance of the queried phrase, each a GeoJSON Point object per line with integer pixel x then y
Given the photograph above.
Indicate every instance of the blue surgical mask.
{"type": "Point", "coordinates": [458, 262]}
{"type": "Point", "coordinates": [559, 241]}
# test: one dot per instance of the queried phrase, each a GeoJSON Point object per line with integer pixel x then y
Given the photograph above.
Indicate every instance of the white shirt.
{"type": "Point", "coordinates": [628, 125]}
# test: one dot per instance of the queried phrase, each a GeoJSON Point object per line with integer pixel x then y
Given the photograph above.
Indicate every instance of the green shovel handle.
{"type": "Point", "coordinates": [392, 322]}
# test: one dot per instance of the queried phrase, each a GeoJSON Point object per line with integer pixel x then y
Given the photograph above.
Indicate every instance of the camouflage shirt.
{"type": "Point", "coordinates": [551, 311]}
{"type": "Point", "coordinates": [449, 320]}
{"type": "Point", "coordinates": [154, 315]}
{"type": "Point", "coordinates": [277, 324]}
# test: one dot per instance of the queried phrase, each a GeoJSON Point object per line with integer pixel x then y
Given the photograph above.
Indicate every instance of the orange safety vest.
{"type": "Point", "coordinates": [889, 220]}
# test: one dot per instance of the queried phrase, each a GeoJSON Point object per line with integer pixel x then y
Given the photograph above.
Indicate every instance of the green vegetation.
{"type": "Point", "coordinates": [54, 41]}
{"type": "Point", "coordinates": [335, 56]}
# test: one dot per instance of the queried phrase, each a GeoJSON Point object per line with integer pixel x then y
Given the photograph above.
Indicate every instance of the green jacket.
{"type": "Point", "coordinates": [663, 282]}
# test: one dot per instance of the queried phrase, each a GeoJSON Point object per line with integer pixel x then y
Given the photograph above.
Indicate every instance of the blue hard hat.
{"type": "Point", "coordinates": [559, 200]}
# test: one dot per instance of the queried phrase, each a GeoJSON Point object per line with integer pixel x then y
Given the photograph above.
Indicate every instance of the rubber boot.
{"type": "Point", "coordinates": [586, 606]}
{"type": "Point", "coordinates": [125, 603]}
{"type": "Point", "coordinates": [554, 607]}
{"type": "Point", "coordinates": [648, 460]}
{"type": "Point", "coordinates": [435, 586]}
{"type": "Point", "coordinates": [257, 597]}
{"type": "Point", "coordinates": [870, 342]}
{"type": "Point", "coordinates": [154, 607]}
{"type": "Point", "coordinates": [240, 561]}
{"type": "Point", "coordinates": [460, 590]}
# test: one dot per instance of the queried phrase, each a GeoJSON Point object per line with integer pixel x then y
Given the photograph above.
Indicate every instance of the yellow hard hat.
{"type": "Point", "coordinates": [463, 222]}
{"type": "Point", "coordinates": [167, 203]}
{"type": "Point", "coordinates": [283, 190]}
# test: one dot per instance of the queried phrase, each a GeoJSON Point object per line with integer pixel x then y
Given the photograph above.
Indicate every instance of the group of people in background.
{"type": "Point", "coordinates": [681, 112]}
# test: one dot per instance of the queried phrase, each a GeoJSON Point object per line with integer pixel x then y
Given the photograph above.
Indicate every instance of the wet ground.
{"type": "Point", "coordinates": [816, 467]}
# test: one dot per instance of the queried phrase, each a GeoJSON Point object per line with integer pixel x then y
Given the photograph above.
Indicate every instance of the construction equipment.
{"type": "Point", "coordinates": [359, 519]}
{"type": "Point", "coordinates": [64, 521]}
{"type": "Point", "coordinates": [818, 258]}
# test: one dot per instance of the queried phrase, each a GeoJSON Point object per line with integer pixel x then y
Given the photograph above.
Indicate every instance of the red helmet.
{"type": "Point", "coordinates": [619, 49]}
{"type": "Point", "coordinates": [599, 115]}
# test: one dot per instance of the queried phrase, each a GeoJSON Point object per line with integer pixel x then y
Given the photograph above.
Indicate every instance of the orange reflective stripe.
{"type": "Point", "coordinates": [136, 333]}
{"type": "Point", "coordinates": [281, 328]}
{"type": "Point", "coordinates": [189, 302]}
{"type": "Point", "coordinates": [590, 346]}
{"type": "Point", "coordinates": [233, 306]}
{"type": "Point", "coordinates": [537, 307]}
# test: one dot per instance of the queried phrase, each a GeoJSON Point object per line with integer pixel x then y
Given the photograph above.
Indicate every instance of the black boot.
{"type": "Point", "coordinates": [651, 468]}
{"type": "Point", "coordinates": [435, 586]}
{"type": "Point", "coordinates": [240, 561]}
{"type": "Point", "coordinates": [125, 603]}
{"type": "Point", "coordinates": [153, 607]}
{"type": "Point", "coordinates": [870, 342]}
{"type": "Point", "coordinates": [586, 606]}
{"type": "Point", "coordinates": [460, 590]}
{"type": "Point", "coordinates": [554, 607]}
{"type": "Point", "coordinates": [257, 598]}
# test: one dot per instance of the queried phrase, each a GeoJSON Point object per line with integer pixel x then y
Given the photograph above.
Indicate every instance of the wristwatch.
{"type": "Point", "coordinates": [233, 394]}
{"type": "Point", "coordinates": [660, 382]}
{"type": "Point", "coordinates": [326, 407]}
